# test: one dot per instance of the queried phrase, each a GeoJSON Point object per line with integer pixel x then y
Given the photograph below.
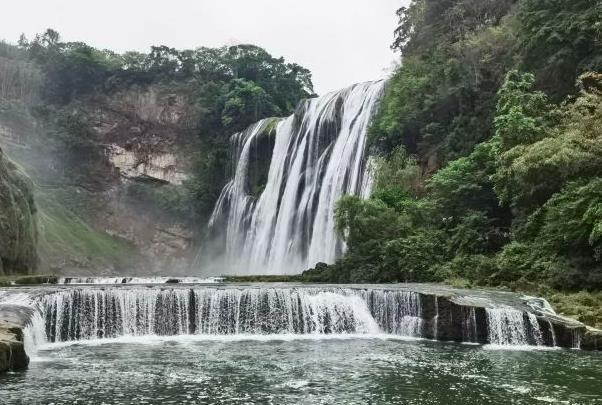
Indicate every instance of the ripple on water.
{"type": "Point", "coordinates": [351, 371]}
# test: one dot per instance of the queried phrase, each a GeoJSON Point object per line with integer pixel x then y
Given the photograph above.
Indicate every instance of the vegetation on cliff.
{"type": "Point", "coordinates": [18, 228]}
{"type": "Point", "coordinates": [491, 151]}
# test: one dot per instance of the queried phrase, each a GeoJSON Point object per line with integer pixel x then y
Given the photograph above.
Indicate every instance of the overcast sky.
{"type": "Point", "coordinates": [341, 41]}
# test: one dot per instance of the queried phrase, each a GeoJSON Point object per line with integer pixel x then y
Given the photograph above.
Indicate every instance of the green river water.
{"type": "Point", "coordinates": [302, 371]}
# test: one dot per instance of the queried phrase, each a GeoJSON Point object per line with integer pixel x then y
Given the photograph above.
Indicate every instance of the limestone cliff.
{"type": "Point", "coordinates": [97, 203]}
{"type": "Point", "coordinates": [18, 229]}
{"type": "Point", "coordinates": [99, 164]}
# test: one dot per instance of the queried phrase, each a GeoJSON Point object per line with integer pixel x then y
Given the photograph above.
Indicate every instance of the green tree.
{"type": "Point", "coordinates": [560, 40]}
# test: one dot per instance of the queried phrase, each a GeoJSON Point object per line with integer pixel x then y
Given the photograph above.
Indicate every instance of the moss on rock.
{"type": "Point", "coordinates": [18, 227]}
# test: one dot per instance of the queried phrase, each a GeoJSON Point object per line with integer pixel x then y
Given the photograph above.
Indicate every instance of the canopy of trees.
{"type": "Point", "coordinates": [490, 134]}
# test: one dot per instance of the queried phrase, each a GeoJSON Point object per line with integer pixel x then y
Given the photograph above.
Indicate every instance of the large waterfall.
{"type": "Point", "coordinates": [276, 215]}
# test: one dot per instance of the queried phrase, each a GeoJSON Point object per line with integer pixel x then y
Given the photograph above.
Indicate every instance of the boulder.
{"type": "Point", "coordinates": [591, 339]}
{"type": "Point", "coordinates": [12, 350]}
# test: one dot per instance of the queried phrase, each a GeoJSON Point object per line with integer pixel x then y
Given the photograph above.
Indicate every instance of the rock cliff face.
{"type": "Point", "coordinates": [96, 220]}
{"type": "Point", "coordinates": [145, 134]}
{"type": "Point", "coordinates": [18, 228]}
{"type": "Point", "coordinates": [144, 130]}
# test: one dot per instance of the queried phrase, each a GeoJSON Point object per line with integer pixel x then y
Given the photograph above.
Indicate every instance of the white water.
{"type": "Point", "coordinates": [318, 156]}
{"type": "Point", "coordinates": [87, 314]}
{"type": "Point", "coordinates": [92, 313]}
{"type": "Point", "coordinates": [138, 280]}
{"type": "Point", "coordinates": [509, 326]}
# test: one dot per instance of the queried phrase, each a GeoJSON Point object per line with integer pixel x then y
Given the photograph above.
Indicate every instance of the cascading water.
{"type": "Point", "coordinates": [87, 313]}
{"type": "Point", "coordinates": [508, 326]}
{"type": "Point", "coordinates": [227, 332]}
{"type": "Point", "coordinates": [317, 155]}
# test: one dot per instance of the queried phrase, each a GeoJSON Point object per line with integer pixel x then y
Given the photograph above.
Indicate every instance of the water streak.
{"type": "Point", "coordinates": [84, 314]}
{"type": "Point", "coordinates": [507, 326]}
{"type": "Point", "coordinates": [318, 155]}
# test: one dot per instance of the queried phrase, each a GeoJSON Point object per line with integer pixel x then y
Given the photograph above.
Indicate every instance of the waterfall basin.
{"type": "Point", "coordinates": [348, 370]}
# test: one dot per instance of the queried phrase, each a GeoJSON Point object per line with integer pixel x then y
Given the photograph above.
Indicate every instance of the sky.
{"type": "Point", "coordinates": [341, 41]}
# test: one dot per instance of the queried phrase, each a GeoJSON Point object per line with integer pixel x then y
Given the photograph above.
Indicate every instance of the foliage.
{"type": "Point", "coordinates": [559, 40]}
{"type": "Point", "coordinates": [399, 170]}
{"type": "Point", "coordinates": [531, 173]}
{"type": "Point", "coordinates": [440, 101]}
{"type": "Point", "coordinates": [485, 178]}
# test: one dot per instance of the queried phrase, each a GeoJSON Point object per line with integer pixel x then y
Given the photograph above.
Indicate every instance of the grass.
{"type": "Point", "coordinates": [64, 236]}
{"type": "Point", "coordinates": [583, 306]}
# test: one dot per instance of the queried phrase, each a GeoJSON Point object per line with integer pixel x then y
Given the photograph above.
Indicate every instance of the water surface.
{"type": "Point", "coordinates": [184, 370]}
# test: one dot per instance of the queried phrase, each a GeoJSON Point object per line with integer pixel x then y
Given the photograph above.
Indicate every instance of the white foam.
{"type": "Point", "coordinates": [138, 280]}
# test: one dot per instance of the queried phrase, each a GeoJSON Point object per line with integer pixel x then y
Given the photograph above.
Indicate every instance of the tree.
{"type": "Point", "coordinates": [560, 40]}
{"type": "Point", "coordinates": [246, 102]}
{"type": "Point", "coordinates": [530, 173]}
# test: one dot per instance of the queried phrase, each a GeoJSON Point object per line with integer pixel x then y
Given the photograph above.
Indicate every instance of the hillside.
{"type": "Point", "coordinates": [129, 152]}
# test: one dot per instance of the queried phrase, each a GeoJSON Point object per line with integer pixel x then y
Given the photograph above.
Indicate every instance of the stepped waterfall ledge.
{"type": "Point", "coordinates": [81, 313]}
{"type": "Point", "coordinates": [276, 215]}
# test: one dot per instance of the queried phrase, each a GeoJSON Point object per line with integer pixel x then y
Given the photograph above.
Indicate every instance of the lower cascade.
{"type": "Point", "coordinates": [88, 313]}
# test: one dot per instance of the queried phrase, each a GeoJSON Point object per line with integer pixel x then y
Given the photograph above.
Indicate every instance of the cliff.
{"type": "Point", "coordinates": [98, 184]}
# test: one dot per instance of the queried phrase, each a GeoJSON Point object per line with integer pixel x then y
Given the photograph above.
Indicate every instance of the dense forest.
{"type": "Point", "coordinates": [490, 145]}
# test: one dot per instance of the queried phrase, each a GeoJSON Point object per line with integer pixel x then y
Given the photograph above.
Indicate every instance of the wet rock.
{"type": "Point", "coordinates": [13, 319]}
{"type": "Point", "coordinates": [592, 339]}
{"type": "Point", "coordinates": [12, 350]}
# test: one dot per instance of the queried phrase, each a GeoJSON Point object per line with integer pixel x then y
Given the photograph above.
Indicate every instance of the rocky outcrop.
{"type": "Point", "coordinates": [160, 166]}
{"type": "Point", "coordinates": [145, 130]}
{"type": "Point", "coordinates": [12, 351]}
{"type": "Point", "coordinates": [18, 229]}
{"type": "Point", "coordinates": [13, 319]}
{"type": "Point", "coordinates": [592, 339]}
{"type": "Point", "coordinates": [110, 194]}
{"type": "Point", "coordinates": [449, 318]}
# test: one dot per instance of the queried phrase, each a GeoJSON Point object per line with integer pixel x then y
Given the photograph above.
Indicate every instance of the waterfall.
{"type": "Point", "coordinates": [88, 313]}
{"type": "Point", "coordinates": [69, 314]}
{"type": "Point", "coordinates": [278, 218]}
{"type": "Point", "coordinates": [509, 326]}
{"type": "Point", "coordinates": [396, 312]}
{"type": "Point", "coordinates": [469, 325]}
